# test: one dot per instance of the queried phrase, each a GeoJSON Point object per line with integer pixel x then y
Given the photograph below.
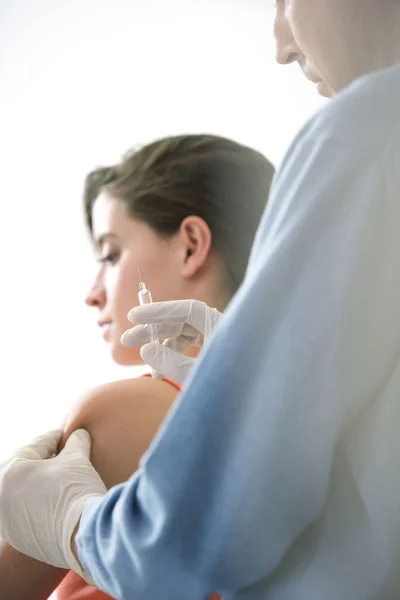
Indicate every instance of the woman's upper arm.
{"type": "Point", "coordinates": [122, 418]}
{"type": "Point", "coordinates": [23, 578]}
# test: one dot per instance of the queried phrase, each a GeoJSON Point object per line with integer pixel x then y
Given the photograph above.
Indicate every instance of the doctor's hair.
{"type": "Point", "coordinates": [219, 180]}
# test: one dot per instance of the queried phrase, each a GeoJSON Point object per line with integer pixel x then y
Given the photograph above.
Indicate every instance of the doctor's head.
{"type": "Point", "coordinates": [183, 211]}
{"type": "Point", "coordinates": [336, 41]}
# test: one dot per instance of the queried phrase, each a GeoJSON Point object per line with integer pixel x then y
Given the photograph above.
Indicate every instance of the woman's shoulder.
{"type": "Point", "coordinates": [128, 393]}
{"type": "Point", "coordinates": [122, 417]}
{"type": "Point", "coordinates": [132, 387]}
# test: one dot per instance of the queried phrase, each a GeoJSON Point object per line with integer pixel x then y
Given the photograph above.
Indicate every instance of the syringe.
{"type": "Point", "coordinates": [145, 298]}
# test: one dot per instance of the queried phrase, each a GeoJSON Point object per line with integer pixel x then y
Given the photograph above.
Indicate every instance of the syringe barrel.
{"type": "Point", "coordinates": [145, 298]}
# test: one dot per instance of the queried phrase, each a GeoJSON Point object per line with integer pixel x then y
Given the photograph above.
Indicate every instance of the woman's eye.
{"type": "Point", "coordinates": [111, 258]}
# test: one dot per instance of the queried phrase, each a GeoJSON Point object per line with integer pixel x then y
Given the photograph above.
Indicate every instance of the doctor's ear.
{"type": "Point", "coordinates": [195, 240]}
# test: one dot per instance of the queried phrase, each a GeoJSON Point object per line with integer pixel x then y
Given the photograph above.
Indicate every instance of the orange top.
{"type": "Point", "coordinates": [73, 587]}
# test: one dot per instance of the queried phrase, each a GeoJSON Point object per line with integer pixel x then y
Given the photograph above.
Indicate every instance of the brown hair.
{"type": "Point", "coordinates": [215, 178]}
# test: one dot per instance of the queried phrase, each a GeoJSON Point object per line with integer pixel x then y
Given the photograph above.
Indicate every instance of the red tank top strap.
{"type": "Point", "coordinates": [174, 384]}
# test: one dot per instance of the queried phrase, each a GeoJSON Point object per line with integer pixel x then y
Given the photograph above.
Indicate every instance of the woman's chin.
{"type": "Point", "coordinates": [125, 356]}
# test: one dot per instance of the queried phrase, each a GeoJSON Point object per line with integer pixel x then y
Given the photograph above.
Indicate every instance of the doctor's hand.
{"type": "Point", "coordinates": [42, 498]}
{"type": "Point", "coordinates": [181, 323]}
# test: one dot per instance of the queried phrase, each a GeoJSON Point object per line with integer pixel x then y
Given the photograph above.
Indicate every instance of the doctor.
{"type": "Point", "coordinates": [276, 476]}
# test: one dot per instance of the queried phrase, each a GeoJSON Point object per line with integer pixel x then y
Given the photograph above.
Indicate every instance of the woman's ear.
{"type": "Point", "coordinates": [195, 241]}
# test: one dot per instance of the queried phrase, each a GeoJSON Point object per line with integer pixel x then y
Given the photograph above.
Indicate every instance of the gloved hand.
{"type": "Point", "coordinates": [181, 323]}
{"type": "Point", "coordinates": [42, 498]}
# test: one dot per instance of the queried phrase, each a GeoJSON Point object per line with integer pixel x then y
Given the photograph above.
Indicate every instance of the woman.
{"type": "Point", "coordinates": [183, 211]}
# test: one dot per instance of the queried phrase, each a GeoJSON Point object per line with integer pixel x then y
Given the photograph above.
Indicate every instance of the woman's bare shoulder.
{"type": "Point", "coordinates": [122, 418]}
{"type": "Point", "coordinates": [141, 393]}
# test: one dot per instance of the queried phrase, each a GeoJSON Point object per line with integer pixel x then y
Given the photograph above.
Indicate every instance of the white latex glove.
{"type": "Point", "coordinates": [42, 498]}
{"type": "Point", "coordinates": [181, 323]}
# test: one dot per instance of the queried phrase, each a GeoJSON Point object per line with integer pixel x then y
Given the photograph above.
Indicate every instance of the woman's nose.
{"type": "Point", "coordinates": [96, 296]}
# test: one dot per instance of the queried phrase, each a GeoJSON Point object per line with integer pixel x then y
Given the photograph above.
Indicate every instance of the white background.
{"type": "Point", "coordinates": [80, 82]}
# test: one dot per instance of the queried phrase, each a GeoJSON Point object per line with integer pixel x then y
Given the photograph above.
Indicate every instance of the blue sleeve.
{"type": "Point", "coordinates": [241, 466]}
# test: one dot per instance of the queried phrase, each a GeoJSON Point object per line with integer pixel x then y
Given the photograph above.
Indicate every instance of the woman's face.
{"type": "Point", "coordinates": [330, 39]}
{"type": "Point", "coordinates": [125, 245]}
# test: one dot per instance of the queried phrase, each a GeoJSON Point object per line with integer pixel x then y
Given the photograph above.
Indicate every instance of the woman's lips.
{"type": "Point", "coordinates": [105, 327]}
